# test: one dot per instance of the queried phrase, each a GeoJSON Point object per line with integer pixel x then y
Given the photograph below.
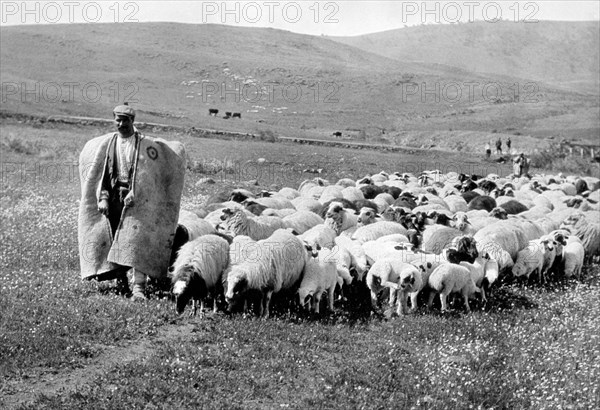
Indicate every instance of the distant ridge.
{"type": "Point", "coordinates": [564, 54]}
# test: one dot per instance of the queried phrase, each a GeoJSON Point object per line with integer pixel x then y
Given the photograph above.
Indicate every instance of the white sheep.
{"type": "Point", "coordinates": [237, 222]}
{"type": "Point", "coordinates": [573, 256]}
{"type": "Point", "coordinates": [194, 225]}
{"type": "Point", "coordinates": [385, 274]}
{"type": "Point", "coordinates": [536, 257]}
{"type": "Point", "coordinates": [448, 278]}
{"type": "Point", "coordinates": [322, 236]}
{"type": "Point", "coordinates": [343, 219]}
{"type": "Point", "coordinates": [359, 258]}
{"type": "Point", "coordinates": [410, 283]}
{"type": "Point", "coordinates": [197, 271]}
{"type": "Point", "coordinates": [302, 203]}
{"type": "Point", "coordinates": [377, 230]}
{"type": "Point", "coordinates": [438, 237]}
{"type": "Point", "coordinates": [320, 275]}
{"type": "Point", "coordinates": [302, 221]}
{"type": "Point", "coordinates": [278, 266]}
{"type": "Point", "coordinates": [484, 272]}
{"type": "Point", "coordinates": [367, 216]}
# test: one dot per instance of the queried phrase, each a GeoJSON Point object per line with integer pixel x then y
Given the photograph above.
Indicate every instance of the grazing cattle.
{"type": "Point", "coordinates": [213, 112]}
{"type": "Point", "coordinates": [337, 134]}
{"type": "Point", "coordinates": [227, 114]}
{"type": "Point", "coordinates": [236, 115]}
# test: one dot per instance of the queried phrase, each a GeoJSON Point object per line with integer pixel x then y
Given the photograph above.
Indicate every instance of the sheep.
{"type": "Point", "coordinates": [376, 230]}
{"type": "Point", "coordinates": [456, 203]}
{"type": "Point", "coordinates": [320, 274]}
{"type": "Point", "coordinates": [573, 257]}
{"type": "Point", "coordinates": [189, 227]}
{"type": "Point", "coordinates": [438, 237]}
{"type": "Point", "coordinates": [385, 274]}
{"type": "Point", "coordinates": [236, 222]}
{"type": "Point", "coordinates": [586, 226]}
{"type": "Point", "coordinates": [352, 194]}
{"type": "Point", "coordinates": [359, 258]}
{"type": "Point", "coordinates": [275, 202]}
{"type": "Point", "coordinates": [289, 193]}
{"type": "Point", "coordinates": [367, 216]}
{"type": "Point", "coordinates": [537, 257]}
{"type": "Point", "coordinates": [483, 202]}
{"type": "Point", "coordinates": [322, 235]}
{"type": "Point", "coordinates": [342, 218]}
{"type": "Point", "coordinates": [507, 235]}
{"type": "Point", "coordinates": [512, 206]}
{"type": "Point", "coordinates": [302, 221]}
{"type": "Point", "coordinates": [461, 222]}
{"type": "Point", "coordinates": [307, 204]}
{"type": "Point", "coordinates": [484, 272]}
{"type": "Point", "coordinates": [280, 213]}
{"type": "Point", "coordinates": [448, 278]}
{"type": "Point", "coordinates": [197, 271]}
{"type": "Point", "coordinates": [279, 266]}
{"type": "Point", "coordinates": [410, 283]}
{"type": "Point", "coordinates": [375, 251]}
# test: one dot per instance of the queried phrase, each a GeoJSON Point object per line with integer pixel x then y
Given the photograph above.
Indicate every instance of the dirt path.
{"type": "Point", "coordinates": [42, 381]}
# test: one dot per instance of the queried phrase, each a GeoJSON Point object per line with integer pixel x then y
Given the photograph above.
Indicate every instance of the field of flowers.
{"type": "Point", "coordinates": [68, 344]}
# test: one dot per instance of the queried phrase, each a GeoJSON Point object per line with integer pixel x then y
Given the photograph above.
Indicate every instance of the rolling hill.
{"type": "Point", "coordinates": [281, 82]}
{"type": "Point", "coordinates": [560, 54]}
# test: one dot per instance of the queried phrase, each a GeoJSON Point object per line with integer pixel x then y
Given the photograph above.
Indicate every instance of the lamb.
{"type": "Point", "coordinates": [376, 230]}
{"type": "Point", "coordinates": [410, 283]}
{"type": "Point", "coordinates": [448, 278]}
{"type": "Point", "coordinates": [320, 274]}
{"type": "Point", "coordinates": [279, 266]}
{"type": "Point", "coordinates": [573, 257]}
{"type": "Point", "coordinates": [359, 258]}
{"type": "Point", "coordinates": [236, 222]}
{"type": "Point", "coordinates": [197, 271]}
{"type": "Point", "coordinates": [302, 203]}
{"type": "Point", "coordinates": [385, 274]}
{"type": "Point", "coordinates": [537, 257]}
{"type": "Point", "coordinates": [322, 235]}
{"type": "Point", "coordinates": [484, 272]}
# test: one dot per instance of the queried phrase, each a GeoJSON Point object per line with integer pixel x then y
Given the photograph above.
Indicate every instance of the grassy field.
{"type": "Point", "coordinates": [68, 344]}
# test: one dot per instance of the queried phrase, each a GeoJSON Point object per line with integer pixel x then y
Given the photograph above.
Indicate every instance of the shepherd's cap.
{"type": "Point", "coordinates": [124, 110]}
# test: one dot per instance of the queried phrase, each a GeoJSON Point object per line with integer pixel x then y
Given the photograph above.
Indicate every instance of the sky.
{"type": "Point", "coordinates": [332, 18]}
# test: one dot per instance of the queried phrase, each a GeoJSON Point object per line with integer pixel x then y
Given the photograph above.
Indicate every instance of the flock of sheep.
{"type": "Point", "coordinates": [395, 234]}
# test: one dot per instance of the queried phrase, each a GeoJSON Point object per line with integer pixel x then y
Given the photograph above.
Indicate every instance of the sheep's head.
{"type": "Point", "coordinates": [466, 245]}
{"type": "Point", "coordinates": [312, 249]}
{"type": "Point", "coordinates": [460, 221]}
{"type": "Point", "coordinates": [226, 214]}
{"type": "Point", "coordinates": [366, 216]}
{"type": "Point", "coordinates": [186, 283]}
{"type": "Point", "coordinates": [237, 285]}
{"type": "Point", "coordinates": [499, 212]}
{"type": "Point", "coordinates": [409, 279]}
{"type": "Point", "coordinates": [305, 296]}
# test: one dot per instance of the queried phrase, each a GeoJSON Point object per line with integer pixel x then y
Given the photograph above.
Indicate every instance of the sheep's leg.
{"type": "Point", "coordinates": [443, 297]}
{"type": "Point", "coordinates": [430, 300]}
{"type": "Point", "coordinates": [215, 304]}
{"type": "Point", "coordinates": [402, 303]}
{"type": "Point", "coordinates": [466, 299]}
{"type": "Point", "coordinates": [331, 298]}
{"type": "Point", "coordinates": [317, 302]}
{"type": "Point", "coordinates": [193, 310]}
{"type": "Point", "coordinates": [265, 305]}
{"type": "Point", "coordinates": [374, 299]}
{"type": "Point", "coordinates": [413, 301]}
{"type": "Point", "coordinates": [393, 297]}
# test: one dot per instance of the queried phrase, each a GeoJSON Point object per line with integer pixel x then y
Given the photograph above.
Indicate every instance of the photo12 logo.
{"type": "Point", "coordinates": [68, 92]}
{"type": "Point", "coordinates": [61, 12]}
{"type": "Point", "coordinates": [468, 11]}
{"type": "Point", "coordinates": [256, 92]}
{"type": "Point", "coordinates": [256, 12]}
{"type": "Point", "coordinates": [455, 92]}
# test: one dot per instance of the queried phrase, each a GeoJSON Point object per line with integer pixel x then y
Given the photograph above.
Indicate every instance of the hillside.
{"type": "Point", "coordinates": [562, 54]}
{"type": "Point", "coordinates": [281, 82]}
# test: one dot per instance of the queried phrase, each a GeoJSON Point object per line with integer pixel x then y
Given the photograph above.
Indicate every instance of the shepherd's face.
{"type": "Point", "coordinates": [124, 125]}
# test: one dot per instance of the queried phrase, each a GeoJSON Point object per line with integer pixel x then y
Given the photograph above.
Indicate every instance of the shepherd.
{"type": "Point", "coordinates": [131, 187]}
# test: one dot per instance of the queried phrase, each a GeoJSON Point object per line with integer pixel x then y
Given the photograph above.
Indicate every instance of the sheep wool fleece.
{"type": "Point", "coordinates": [147, 229]}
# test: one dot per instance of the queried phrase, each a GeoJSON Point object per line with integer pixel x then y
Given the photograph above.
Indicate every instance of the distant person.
{"type": "Point", "coordinates": [499, 146]}
{"type": "Point", "coordinates": [521, 166]}
{"type": "Point", "coordinates": [131, 188]}
{"type": "Point", "coordinates": [488, 150]}
{"type": "Point", "coordinates": [508, 144]}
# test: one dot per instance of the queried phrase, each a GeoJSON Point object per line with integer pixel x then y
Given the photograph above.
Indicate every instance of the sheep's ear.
{"type": "Point", "coordinates": [376, 280]}
{"type": "Point", "coordinates": [429, 265]}
{"type": "Point", "coordinates": [356, 213]}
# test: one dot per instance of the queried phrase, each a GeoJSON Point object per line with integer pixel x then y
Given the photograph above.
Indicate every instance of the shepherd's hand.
{"type": "Point", "coordinates": [128, 201]}
{"type": "Point", "coordinates": [103, 207]}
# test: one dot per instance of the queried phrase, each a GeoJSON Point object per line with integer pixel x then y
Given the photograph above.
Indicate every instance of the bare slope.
{"type": "Point", "coordinates": [559, 53]}
{"type": "Point", "coordinates": [281, 82]}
